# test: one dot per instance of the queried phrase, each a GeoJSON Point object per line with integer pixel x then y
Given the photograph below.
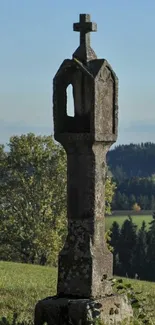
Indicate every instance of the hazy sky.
{"type": "Point", "coordinates": [36, 36]}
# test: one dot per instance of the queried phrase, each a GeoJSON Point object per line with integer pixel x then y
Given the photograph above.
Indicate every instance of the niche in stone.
{"type": "Point", "coordinates": [70, 109]}
{"type": "Point", "coordinates": [73, 99]}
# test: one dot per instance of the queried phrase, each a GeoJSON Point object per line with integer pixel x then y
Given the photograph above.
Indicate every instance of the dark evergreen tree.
{"type": "Point", "coordinates": [132, 200]}
{"type": "Point", "coordinates": [140, 256]}
{"type": "Point", "coordinates": [114, 242]}
{"type": "Point", "coordinates": [119, 174]}
{"type": "Point", "coordinates": [152, 204]}
{"type": "Point", "coordinates": [151, 251]}
{"type": "Point", "coordinates": [126, 247]}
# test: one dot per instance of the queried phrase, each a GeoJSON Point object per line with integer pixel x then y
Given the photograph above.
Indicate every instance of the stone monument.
{"type": "Point", "coordinates": [85, 264]}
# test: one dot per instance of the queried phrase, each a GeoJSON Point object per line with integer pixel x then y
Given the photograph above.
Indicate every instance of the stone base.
{"type": "Point", "coordinates": [64, 311]}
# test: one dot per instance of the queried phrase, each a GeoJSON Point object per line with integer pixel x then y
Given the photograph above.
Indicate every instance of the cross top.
{"type": "Point", "coordinates": [85, 26]}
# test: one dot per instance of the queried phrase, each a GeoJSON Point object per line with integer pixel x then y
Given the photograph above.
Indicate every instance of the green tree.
{"type": "Point", "coordinates": [132, 200]}
{"type": "Point", "coordinates": [114, 242]}
{"type": "Point", "coordinates": [110, 188]}
{"type": "Point", "coordinates": [119, 174]}
{"type": "Point", "coordinates": [33, 222]}
{"type": "Point", "coordinates": [33, 200]}
{"type": "Point", "coordinates": [140, 257]}
{"type": "Point", "coordinates": [151, 250]}
{"type": "Point", "coordinates": [136, 207]}
{"type": "Point", "coordinates": [127, 246]}
{"type": "Point", "coordinates": [152, 204]}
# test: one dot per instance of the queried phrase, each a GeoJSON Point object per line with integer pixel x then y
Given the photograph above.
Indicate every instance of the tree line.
{"type": "Point", "coordinates": [135, 190]}
{"type": "Point", "coordinates": [134, 250]}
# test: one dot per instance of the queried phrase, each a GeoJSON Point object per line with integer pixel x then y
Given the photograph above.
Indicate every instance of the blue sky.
{"type": "Point", "coordinates": [36, 36]}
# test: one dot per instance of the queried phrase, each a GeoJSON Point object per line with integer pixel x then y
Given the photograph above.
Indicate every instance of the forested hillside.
{"type": "Point", "coordinates": [133, 160]}
{"type": "Point", "coordinates": [133, 169]}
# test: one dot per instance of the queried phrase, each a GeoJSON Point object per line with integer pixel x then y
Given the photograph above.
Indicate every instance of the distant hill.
{"type": "Point", "coordinates": [133, 160]}
{"type": "Point", "coordinates": [133, 169]}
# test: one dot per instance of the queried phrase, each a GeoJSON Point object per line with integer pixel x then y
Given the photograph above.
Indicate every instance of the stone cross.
{"type": "Point", "coordinates": [85, 26]}
{"type": "Point", "coordinates": [85, 264]}
{"type": "Point", "coordinates": [84, 52]}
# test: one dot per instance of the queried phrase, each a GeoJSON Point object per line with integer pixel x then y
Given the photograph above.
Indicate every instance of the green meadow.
{"type": "Point", "coordinates": [120, 219]}
{"type": "Point", "coordinates": [22, 285]}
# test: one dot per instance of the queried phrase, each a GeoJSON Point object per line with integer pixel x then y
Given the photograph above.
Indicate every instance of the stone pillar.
{"type": "Point", "coordinates": [85, 264]}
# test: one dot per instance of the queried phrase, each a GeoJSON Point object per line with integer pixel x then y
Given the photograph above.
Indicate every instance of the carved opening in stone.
{"type": "Point", "coordinates": [70, 109]}
{"type": "Point", "coordinates": [73, 99]}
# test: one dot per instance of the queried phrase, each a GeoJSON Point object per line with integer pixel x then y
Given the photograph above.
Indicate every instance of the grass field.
{"type": "Point", "coordinates": [22, 285]}
{"type": "Point", "coordinates": [136, 219]}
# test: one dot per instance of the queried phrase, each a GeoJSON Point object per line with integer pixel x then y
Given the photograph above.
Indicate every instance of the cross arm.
{"type": "Point", "coordinates": [87, 27]}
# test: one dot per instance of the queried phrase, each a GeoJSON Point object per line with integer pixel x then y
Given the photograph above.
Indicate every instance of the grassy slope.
{"type": "Point", "coordinates": [136, 219]}
{"type": "Point", "coordinates": [22, 285]}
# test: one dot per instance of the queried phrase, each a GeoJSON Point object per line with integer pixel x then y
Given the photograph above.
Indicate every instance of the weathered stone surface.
{"type": "Point", "coordinates": [95, 93]}
{"type": "Point", "coordinates": [111, 310]}
{"type": "Point", "coordinates": [85, 263]}
{"type": "Point", "coordinates": [84, 52]}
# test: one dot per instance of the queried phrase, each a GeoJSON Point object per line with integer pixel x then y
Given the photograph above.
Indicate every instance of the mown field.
{"type": "Point", "coordinates": [22, 285]}
{"type": "Point", "coordinates": [120, 219]}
